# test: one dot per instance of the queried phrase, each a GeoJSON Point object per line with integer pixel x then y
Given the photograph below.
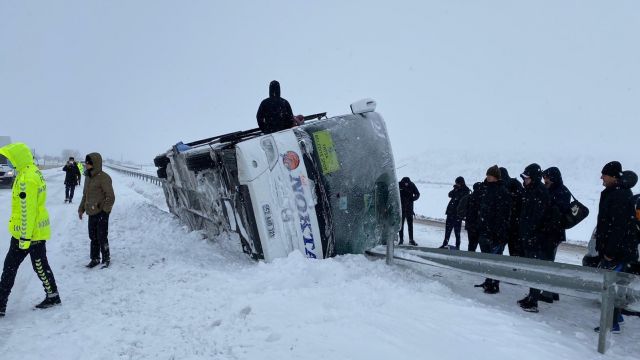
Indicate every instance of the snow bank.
{"type": "Point", "coordinates": [170, 294]}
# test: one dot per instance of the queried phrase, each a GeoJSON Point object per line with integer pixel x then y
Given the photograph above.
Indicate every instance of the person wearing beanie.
{"type": "Point", "coordinates": [514, 187]}
{"type": "Point", "coordinates": [408, 194]}
{"type": "Point", "coordinates": [70, 179]}
{"type": "Point", "coordinates": [454, 222]}
{"type": "Point", "coordinates": [615, 233]}
{"type": "Point", "coordinates": [494, 206]}
{"type": "Point", "coordinates": [535, 205]}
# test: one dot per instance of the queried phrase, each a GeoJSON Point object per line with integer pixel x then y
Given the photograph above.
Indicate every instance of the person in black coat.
{"type": "Point", "coordinates": [469, 209]}
{"type": "Point", "coordinates": [554, 232]}
{"type": "Point", "coordinates": [616, 236]}
{"type": "Point", "coordinates": [533, 214]}
{"type": "Point", "coordinates": [494, 206]}
{"type": "Point", "coordinates": [514, 187]}
{"type": "Point", "coordinates": [408, 194]}
{"type": "Point", "coordinates": [274, 113]}
{"type": "Point", "coordinates": [460, 190]}
{"type": "Point", "coordinates": [70, 179]}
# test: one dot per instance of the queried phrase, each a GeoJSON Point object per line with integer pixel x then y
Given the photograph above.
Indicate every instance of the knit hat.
{"type": "Point", "coordinates": [494, 171]}
{"type": "Point", "coordinates": [533, 171]}
{"type": "Point", "coordinates": [613, 169]}
{"type": "Point", "coordinates": [460, 180]}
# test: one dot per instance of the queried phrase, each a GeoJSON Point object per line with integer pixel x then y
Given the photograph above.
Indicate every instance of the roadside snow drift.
{"type": "Point", "coordinates": [170, 294]}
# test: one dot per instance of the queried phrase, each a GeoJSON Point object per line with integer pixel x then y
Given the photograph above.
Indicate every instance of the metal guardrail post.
{"type": "Point", "coordinates": [390, 245]}
{"type": "Point", "coordinates": [606, 309]}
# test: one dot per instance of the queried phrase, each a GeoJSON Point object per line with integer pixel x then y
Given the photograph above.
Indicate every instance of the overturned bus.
{"type": "Point", "coordinates": [323, 188]}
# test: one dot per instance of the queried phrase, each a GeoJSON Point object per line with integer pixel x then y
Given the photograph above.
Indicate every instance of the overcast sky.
{"type": "Point", "coordinates": [130, 78]}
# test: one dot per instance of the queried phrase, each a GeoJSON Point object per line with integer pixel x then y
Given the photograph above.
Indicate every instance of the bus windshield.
{"type": "Point", "coordinates": [353, 160]}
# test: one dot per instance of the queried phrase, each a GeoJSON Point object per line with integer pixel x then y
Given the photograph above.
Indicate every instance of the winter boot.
{"type": "Point", "coordinates": [49, 301]}
{"type": "Point", "coordinates": [484, 285]}
{"type": "Point", "coordinates": [66, 200]}
{"type": "Point", "coordinates": [546, 297]}
{"type": "Point", "coordinates": [530, 306]}
{"type": "Point", "coordinates": [93, 263]}
{"type": "Point", "coordinates": [413, 243]}
{"type": "Point", "coordinates": [524, 300]}
{"type": "Point", "coordinates": [492, 288]}
{"type": "Point", "coordinates": [556, 297]}
{"type": "Point", "coordinates": [105, 264]}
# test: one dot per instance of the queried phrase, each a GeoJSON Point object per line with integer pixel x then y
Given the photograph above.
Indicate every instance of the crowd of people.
{"type": "Point", "coordinates": [530, 218]}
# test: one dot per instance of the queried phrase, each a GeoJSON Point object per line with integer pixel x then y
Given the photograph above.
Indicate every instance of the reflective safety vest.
{"type": "Point", "coordinates": [29, 216]}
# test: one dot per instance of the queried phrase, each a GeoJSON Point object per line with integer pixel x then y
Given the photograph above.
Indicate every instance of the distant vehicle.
{"type": "Point", "coordinates": [7, 172]}
{"type": "Point", "coordinates": [323, 188]}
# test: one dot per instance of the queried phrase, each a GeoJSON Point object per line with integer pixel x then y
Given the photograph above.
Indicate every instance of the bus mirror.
{"type": "Point", "coordinates": [363, 106]}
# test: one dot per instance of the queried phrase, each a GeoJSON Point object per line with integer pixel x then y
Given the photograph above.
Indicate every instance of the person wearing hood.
{"type": "Point", "coordinates": [493, 218]}
{"type": "Point", "coordinates": [408, 194]}
{"type": "Point", "coordinates": [514, 187]}
{"type": "Point", "coordinates": [28, 226]}
{"type": "Point", "coordinates": [71, 179]}
{"type": "Point", "coordinates": [97, 202]}
{"type": "Point", "coordinates": [460, 190]}
{"type": "Point", "coordinates": [535, 206]}
{"type": "Point", "coordinates": [615, 229]}
{"type": "Point", "coordinates": [470, 214]}
{"type": "Point", "coordinates": [554, 232]}
{"type": "Point", "coordinates": [274, 113]}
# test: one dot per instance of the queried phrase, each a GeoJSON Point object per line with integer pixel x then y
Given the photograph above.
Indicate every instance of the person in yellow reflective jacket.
{"type": "Point", "coordinates": [28, 226]}
{"type": "Point", "coordinates": [81, 168]}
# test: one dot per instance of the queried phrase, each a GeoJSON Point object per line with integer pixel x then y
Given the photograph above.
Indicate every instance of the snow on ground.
{"type": "Point", "coordinates": [434, 173]}
{"type": "Point", "coordinates": [170, 294]}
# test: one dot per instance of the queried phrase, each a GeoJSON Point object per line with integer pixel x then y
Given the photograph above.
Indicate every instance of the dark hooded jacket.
{"type": "Point", "coordinates": [97, 195]}
{"type": "Point", "coordinates": [560, 198]}
{"type": "Point", "coordinates": [72, 174]}
{"type": "Point", "coordinates": [515, 189]}
{"type": "Point", "coordinates": [456, 195]}
{"type": "Point", "coordinates": [615, 231]}
{"type": "Point", "coordinates": [408, 194]}
{"type": "Point", "coordinates": [535, 205]}
{"type": "Point", "coordinates": [472, 208]}
{"type": "Point", "coordinates": [494, 206]}
{"type": "Point", "coordinates": [274, 113]}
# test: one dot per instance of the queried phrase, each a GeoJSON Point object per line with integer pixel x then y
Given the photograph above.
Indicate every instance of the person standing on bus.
{"type": "Point", "coordinates": [274, 113]}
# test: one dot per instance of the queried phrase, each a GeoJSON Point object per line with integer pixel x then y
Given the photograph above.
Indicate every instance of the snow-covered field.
{"type": "Point", "coordinates": [169, 294]}
{"type": "Point", "coordinates": [435, 171]}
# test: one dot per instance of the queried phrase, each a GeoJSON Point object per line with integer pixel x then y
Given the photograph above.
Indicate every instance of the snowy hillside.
{"type": "Point", "coordinates": [435, 171]}
{"type": "Point", "coordinates": [169, 294]}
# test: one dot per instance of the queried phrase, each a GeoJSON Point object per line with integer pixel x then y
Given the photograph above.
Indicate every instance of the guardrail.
{"type": "Point", "coordinates": [146, 177]}
{"type": "Point", "coordinates": [612, 288]}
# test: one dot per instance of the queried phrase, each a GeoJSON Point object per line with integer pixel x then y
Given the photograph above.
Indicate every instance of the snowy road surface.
{"type": "Point", "coordinates": [169, 294]}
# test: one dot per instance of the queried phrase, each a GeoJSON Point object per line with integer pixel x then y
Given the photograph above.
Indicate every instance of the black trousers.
{"type": "Point", "coordinates": [489, 247]}
{"type": "Point", "coordinates": [453, 223]}
{"type": "Point", "coordinates": [15, 256]}
{"type": "Point", "coordinates": [98, 233]}
{"type": "Point", "coordinates": [515, 246]}
{"type": "Point", "coordinates": [546, 252]}
{"type": "Point", "coordinates": [474, 238]}
{"type": "Point", "coordinates": [409, 217]}
{"type": "Point", "coordinates": [68, 191]}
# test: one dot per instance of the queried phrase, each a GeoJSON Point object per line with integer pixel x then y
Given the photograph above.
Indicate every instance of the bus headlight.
{"type": "Point", "coordinates": [270, 149]}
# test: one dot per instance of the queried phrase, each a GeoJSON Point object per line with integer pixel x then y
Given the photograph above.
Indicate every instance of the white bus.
{"type": "Point", "coordinates": [323, 188]}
